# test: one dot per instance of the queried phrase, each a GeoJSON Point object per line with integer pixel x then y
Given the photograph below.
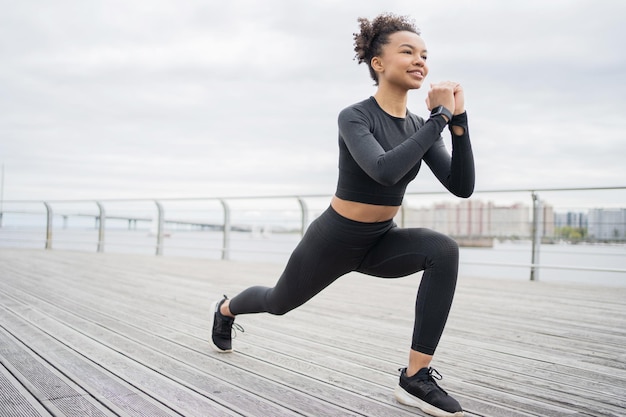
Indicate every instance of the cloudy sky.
{"type": "Point", "coordinates": [163, 98]}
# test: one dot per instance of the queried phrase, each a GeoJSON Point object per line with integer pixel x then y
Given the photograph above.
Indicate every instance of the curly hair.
{"type": "Point", "coordinates": [375, 34]}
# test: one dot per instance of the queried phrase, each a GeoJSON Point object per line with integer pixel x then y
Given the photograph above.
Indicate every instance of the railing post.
{"type": "Point", "coordinates": [49, 217]}
{"type": "Point", "coordinates": [402, 214]}
{"type": "Point", "coordinates": [536, 236]}
{"type": "Point", "coordinates": [226, 239]}
{"type": "Point", "coordinates": [305, 215]}
{"type": "Point", "coordinates": [160, 222]}
{"type": "Point", "coordinates": [101, 226]}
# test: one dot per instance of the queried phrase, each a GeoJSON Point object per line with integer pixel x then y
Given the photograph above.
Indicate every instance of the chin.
{"type": "Point", "coordinates": [415, 85]}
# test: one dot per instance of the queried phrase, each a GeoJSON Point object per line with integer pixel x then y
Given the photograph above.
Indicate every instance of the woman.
{"type": "Point", "coordinates": [381, 147]}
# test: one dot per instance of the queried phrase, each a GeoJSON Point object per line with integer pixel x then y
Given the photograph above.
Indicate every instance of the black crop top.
{"type": "Point", "coordinates": [380, 154]}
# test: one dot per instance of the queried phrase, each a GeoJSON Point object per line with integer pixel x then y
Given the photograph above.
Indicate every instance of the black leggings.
{"type": "Point", "coordinates": [334, 245]}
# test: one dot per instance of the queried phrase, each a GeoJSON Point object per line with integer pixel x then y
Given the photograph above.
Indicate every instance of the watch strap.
{"type": "Point", "coordinates": [441, 110]}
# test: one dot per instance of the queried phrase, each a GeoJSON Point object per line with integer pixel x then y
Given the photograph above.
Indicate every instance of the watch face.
{"type": "Point", "coordinates": [443, 111]}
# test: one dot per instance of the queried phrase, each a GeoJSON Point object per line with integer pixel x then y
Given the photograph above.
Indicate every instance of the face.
{"type": "Point", "coordinates": [402, 62]}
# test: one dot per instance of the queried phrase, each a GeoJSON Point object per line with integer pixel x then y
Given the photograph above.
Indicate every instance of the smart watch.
{"type": "Point", "coordinates": [436, 111]}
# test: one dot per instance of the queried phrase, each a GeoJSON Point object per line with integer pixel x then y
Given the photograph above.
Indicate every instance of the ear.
{"type": "Point", "coordinates": [377, 64]}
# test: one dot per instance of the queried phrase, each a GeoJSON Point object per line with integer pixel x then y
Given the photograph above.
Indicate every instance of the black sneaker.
{"type": "Point", "coordinates": [421, 390]}
{"type": "Point", "coordinates": [221, 328]}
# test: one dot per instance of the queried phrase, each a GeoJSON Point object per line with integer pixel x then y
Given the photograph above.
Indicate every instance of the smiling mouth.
{"type": "Point", "coordinates": [417, 73]}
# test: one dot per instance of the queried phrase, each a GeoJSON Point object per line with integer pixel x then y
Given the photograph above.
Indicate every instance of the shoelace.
{"type": "Point", "coordinates": [228, 327]}
{"type": "Point", "coordinates": [433, 373]}
{"type": "Point", "coordinates": [433, 376]}
{"type": "Point", "coordinates": [236, 327]}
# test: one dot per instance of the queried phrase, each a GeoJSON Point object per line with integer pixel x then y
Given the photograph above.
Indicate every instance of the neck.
{"type": "Point", "coordinates": [392, 101]}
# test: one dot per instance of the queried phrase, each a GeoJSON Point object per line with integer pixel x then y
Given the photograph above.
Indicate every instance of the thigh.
{"type": "Point", "coordinates": [401, 252]}
{"type": "Point", "coordinates": [318, 260]}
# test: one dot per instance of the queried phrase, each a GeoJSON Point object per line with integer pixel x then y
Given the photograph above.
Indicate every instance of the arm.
{"type": "Point", "coordinates": [386, 167]}
{"type": "Point", "coordinates": [455, 172]}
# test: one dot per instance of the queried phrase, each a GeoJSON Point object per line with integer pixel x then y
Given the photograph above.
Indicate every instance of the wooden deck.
{"type": "Point", "coordinates": [85, 334]}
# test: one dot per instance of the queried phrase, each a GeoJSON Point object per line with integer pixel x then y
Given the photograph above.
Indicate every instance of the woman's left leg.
{"type": "Point", "coordinates": [402, 252]}
{"type": "Point", "coordinates": [405, 251]}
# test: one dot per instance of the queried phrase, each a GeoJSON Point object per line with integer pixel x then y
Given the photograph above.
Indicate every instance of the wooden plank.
{"type": "Point", "coordinates": [510, 348]}
{"type": "Point", "coordinates": [316, 398]}
{"type": "Point", "coordinates": [15, 400]}
{"type": "Point", "coordinates": [360, 400]}
{"type": "Point", "coordinates": [155, 374]}
{"type": "Point", "coordinates": [128, 399]}
{"type": "Point", "coordinates": [56, 393]}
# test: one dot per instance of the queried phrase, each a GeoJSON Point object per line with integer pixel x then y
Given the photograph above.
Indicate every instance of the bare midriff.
{"type": "Point", "coordinates": [362, 212]}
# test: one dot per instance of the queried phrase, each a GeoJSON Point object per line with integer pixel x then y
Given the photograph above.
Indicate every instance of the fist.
{"type": "Point", "coordinates": [442, 94]}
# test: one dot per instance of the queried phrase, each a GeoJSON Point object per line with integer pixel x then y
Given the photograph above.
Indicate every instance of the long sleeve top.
{"type": "Point", "coordinates": [380, 154]}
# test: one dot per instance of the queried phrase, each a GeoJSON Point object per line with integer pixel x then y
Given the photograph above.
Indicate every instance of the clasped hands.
{"type": "Point", "coordinates": [448, 94]}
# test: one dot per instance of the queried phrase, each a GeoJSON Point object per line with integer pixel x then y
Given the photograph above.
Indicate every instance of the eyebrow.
{"type": "Point", "coordinates": [411, 46]}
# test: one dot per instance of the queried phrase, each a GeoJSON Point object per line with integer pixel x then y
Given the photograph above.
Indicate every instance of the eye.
{"type": "Point", "coordinates": [424, 57]}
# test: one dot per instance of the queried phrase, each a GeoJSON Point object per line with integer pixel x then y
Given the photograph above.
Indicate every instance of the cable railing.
{"type": "Point", "coordinates": [495, 228]}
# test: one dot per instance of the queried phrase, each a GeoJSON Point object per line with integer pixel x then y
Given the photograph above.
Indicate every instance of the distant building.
{"type": "Point", "coordinates": [479, 219]}
{"type": "Point", "coordinates": [509, 221]}
{"type": "Point", "coordinates": [607, 224]}
{"type": "Point", "coordinates": [571, 219]}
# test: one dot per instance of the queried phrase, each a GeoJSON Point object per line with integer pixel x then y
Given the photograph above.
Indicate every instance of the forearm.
{"type": "Point", "coordinates": [396, 163]}
{"type": "Point", "coordinates": [462, 172]}
{"type": "Point", "coordinates": [456, 171]}
{"type": "Point", "coordinates": [458, 125]}
{"type": "Point", "coordinates": [388, 167]}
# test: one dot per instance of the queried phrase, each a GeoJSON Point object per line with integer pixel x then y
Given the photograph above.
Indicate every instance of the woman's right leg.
{"type": "Point", "coordinates": [323, 255]}
{"type": "Point", "coordinates": [331, 247]}
{"type": "Point", "coordinates": [310, 269]}
{"type": "Point", "coordinates": [313, 265]}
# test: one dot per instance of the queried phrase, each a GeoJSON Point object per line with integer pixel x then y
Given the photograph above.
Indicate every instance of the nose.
{"type": "Point", "coordinates": [419, 61]}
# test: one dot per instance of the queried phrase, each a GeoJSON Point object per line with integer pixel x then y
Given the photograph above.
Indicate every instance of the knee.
{"type": "Point", "coordinates": [279, 310]}
{"type": "Point", "coordinates": [451, 245]}
{"type": "Point", "coordinates": [277, 306]}
{"type": "Point", "coordinates": [446, 247]}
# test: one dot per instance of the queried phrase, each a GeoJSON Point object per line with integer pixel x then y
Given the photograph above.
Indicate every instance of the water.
{"type": "Point", "coordinates": [558, 255]}
{"type": "Point", "coordinates": [276, 248]}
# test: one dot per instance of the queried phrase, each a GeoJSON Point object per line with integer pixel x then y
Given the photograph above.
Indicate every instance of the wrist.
{"type": "Point", "coordinates": [457, 130]}
{"type": "Point", "coordinates": [441, 111]}
{"type": "Point", "coordinates": [459, 119]}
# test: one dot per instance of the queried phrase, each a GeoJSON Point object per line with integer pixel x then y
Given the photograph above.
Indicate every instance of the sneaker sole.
{"type": "Point", "coordinates": [211, 323]}
{"type": "Point", "coordinates": [405, 398]}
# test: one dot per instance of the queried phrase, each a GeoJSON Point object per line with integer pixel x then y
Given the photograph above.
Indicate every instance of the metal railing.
{"type": "Point", "coordinates": [221, 221]}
